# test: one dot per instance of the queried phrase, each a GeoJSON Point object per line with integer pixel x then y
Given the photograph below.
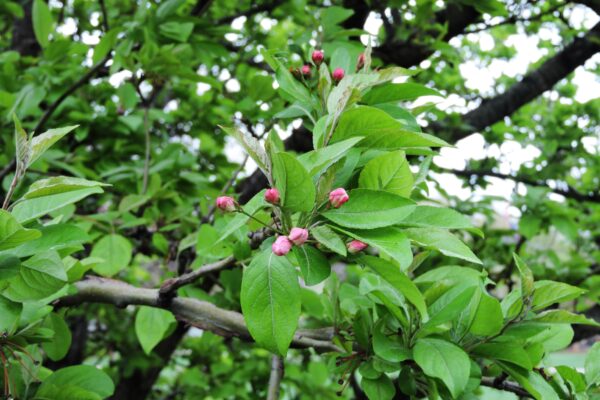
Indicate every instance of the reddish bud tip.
{"type": "Point", "coordinates": [338, 197]}
{"type": "Point", "coordinates": [361, 61]}
{"type": "Point", "coordinates": [298, 236]}
{"type": "Point", "coordinates": [338, 74]}
{"type": "Point", "coordinates": [355, 246]}
{"type": "Point", "coordinates": [317, 57]}
{"type": "Point", "coordinates": [306, 70]}
{"type": "Point", "coordinates": [272, 196]}
{"type": "Point", "coordinates": [281, 246]}
{"type": "Point", "coordinates": [226, 203]}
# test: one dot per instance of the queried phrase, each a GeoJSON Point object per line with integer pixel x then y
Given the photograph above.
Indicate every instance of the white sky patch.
{"type": "Point", "coordinates": [118, 78]}
{"type": "Point", "coordinates": [68, 27]}
{"type": "Point", "coordinates": [202, 88]}
{"type": "Point", "coordinates": [232, 86]}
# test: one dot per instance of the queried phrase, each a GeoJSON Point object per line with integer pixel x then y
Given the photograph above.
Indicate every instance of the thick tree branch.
{"type": "Point", "coordinates": [570, 192]}
{"type": "Point", "coordinates": [198, 313]}
{"type": "Point", "coordinates": [531, 86]}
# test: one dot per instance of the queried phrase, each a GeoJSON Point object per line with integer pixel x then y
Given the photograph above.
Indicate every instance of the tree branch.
{"type": "Point", "coordinates": [531, 86]}
{"type": "Point", "coordinates": [570, 192]}
{"type": "Point", "coordinates": [201, 314]}
{"type": "Point", "coordinates": [506, 386]}
{"type": "Point", "coordinates": [275, 378]}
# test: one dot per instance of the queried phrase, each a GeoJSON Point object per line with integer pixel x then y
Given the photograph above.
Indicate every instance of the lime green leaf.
{"type": "Point", "coordinates": [151, 326]}
{"type": "Point", "coordinates": [389, 172]}
{"type": "Point", "coordinates": [488, 318]}
{"type": "Point", "coordinates": [394, 92]}
{"type": "Point", "coordinates": [295, 185]}
{"type": "Point", "coordinates": [317, 161]}
{"type": "Point", "coordinates": [314, 265]}
{"type": "Point", "coordinates": [270, 299]}
{"type": "Point", "coordinates": [252, 147]}
{"type": "Point", "coordinates": [592, 365]}
{"type": "Point", "coordinates": [547, 293]}
{"type": "Point", "coordinates": [369, 209]}
{"type": "Point", "coordinates": [42, 142]}
{"type": "Point", "coordinates": [504, 351]}
{"type": "Point", "coordinates": [12, 234]}
{"type": "Point", "coordinates": [563, 317]}
{"type": "Point", "coordinates": [30, 209]}
{"type": "Point", "coordinates": [380, 131]}
{"type": "Point", "coordinates": [328, 238]}
{"type": "Point", "coordinates": [58, 348]}
{"type": "Point", "coordinates": [115, 250]}
{"type": "Point", "coordinates": [42, 21]}
{"type": "Point", "coordinates": [443, 241]}
{"type": "Point", "coordinates": [527, 285]}
{"type": "Point", "coordinates": [10, 312]}
{"type": "Point", "coordinates": [58, 184]}
{"type": "Point", "coordinates": [40, 276]}
{"type": "Point", "coordinates": [381, 388]}
{"type": "Point", "coordinates": [390, 240]}
{"type": "Point", "coordinates": [444, 360]}
{"type": "Point", "coordinates": [88, 379]}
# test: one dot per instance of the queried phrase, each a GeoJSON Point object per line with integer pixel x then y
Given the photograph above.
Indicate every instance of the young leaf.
{"type": "Point", "coordinates": [58, 348]}
{"type": "Point", "coordinates": [252, 147]}
{"type": "Point", "coordinates": [270, 299]}
{"type": "Point", "coordinates": [488, 318]}
{"type": "Point", "coordinates": [313, 264]}
{"type": "Point", "coordinates": [329, 239]}
{"type": "Point", "coordinates": [437, 217]}
{"type": "Point", "coordinates": [115, 250]}
{"type": "Point", "coordinates": [592, 365]}
{"type": "Point", "coordinates": [12, 233]}
{"type": "Point", "coordinates": [389, 172]}
{"type": "Point", "coordinates": [76, 382]}
{"type": "Point", "coordinates": [380, 131]}
{"type": "Point", "coordinates": [295, 185]}
{"type": "Point", "coordinates": [40, 276]}
{"type": "Point", "coordinates": [389, 348]}
{"type": "Point", "coordinates": [58, 184]}
{"type": "Point", "coordinates": [390, 240]}
{"type": "Point", "coordinates": [443, 241]}
{"type": "Point", "coordinates": [402, 283]}
{"type": "Point", "coordinates": [10, 312]}
{"type": "Point", "coordinates": [444, 360]}
{"type": "Point", "coordinates": [42, 142]}
{"type": "Point", "coordinates": [369, 209]}
{"type": "Point", "coordinates": [511, 352]}
{"type": "Point", "coordinates": [317, 161]}
{"type": "Point", "coordinates": [30, 209]}
{"type": "Point", "coordinates": [564, 317]}
{"type": "Point", "coordinates": [394, 92]}
{"type": "Point", "coordinates": [526, 277]}
{"type": "Point", "coordinates": [151, 326]}
{"type": "Point", "coordinates": [22, 146]}
{"type": "Point", "coordinates": [448, 306]}
{"type": "Point", "coordinates": [547, 293]}
{"type": "Point", "coordinates": [42, 21]}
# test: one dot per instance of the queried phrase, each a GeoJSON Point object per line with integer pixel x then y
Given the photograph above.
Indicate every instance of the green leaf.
{"type": "Point", "coordinates": [252, 147]}
{"type": "Point", "coordinates": [54, 237]}
{"type": "Point", "coordinates": [58, 348]}
{"type": "Point", "coordinates": [380, 131]}
{"type": "Point", "coordinates": [178, 31]}
{"type": "Point", "coordinates": [444, 360]}
{"type": "Point", "coordinates": [40, 276]}
{"type": "Point", "coordinates": [592, 365]}
{"type": "Point", "coordinates": [86, 378]}
{"type": "Point", "coordinates": [437, 217]}
{"type": "Point", "coordinates": [12, 234]}
{"type": "Point", "coordinates": [450, 305]}
{"type": "Point", "coordinates": [531, 381]}
{"type": "Point", "coordinates": [291, 88]}
{"type": "Point", "coordinates": [443, 241]}
{"type": "Point", "coordinates": [527, 285]}
{"type": "Point", "coordinates": [391, 241]}
{"type": "Point", "coordinates": [22, 146]}
{"type": "Point", "coordinates": [564, 317]}
{"type": "Point", "coordinates": [389, 347]}
{"type": "Point", "coordinates": [314, 265]}
{"type": "Point", "coordinates": [133, 202]}
{"type": "Point", "coordinates": [488, 319]}
{"type": "Point", "coordinates": [58, 184]}
{"type": "Point", "coordinates": [30, 209]}
{"type": "Point", "coordinates": [270, 299]}
{"type": "Point", "coordinates": [9, 266]}
{"type": "Point", "coordinates": [328, 238]}
{"type": "Point", "coordinates": [394, 92]}
{"type": "Point", "coordinates": [42, 21]}
{"type": "Point", "coordinates": [369, 209]}
{"type": "Point", "coordinates": [511, 352]}
{"type": "Point", "coordinates": [151, 326]}
{"type": "Point", "coordinates": [295, 185]}
{"type": "Point", "coordinates": [389, 172]}
{"type": "Point", "coordinates": [168, 8]}
{"type": "Point", "coordinates": [547, 293]}
{"type": "Point", "coordinates": [115, 250]}
{"type": "Point", "coordinates": [317, 161]}
{"type": "Point", "coordinates": [10, 312]}
{"type": "Point", "coordinates": [381, 388]}
{"type": "Point", "coordinates": [402, 283]}
{"type": "Point", "coordinates": [105, 45]}
{"type": "Point", "coordinates": [240, 219]}
{"type": "Point", "coordinates": [42, 142]}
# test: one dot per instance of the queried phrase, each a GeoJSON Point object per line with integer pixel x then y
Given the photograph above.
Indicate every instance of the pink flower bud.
{"type": "Point", "coordinates": [361, 61]}
{"type": "Point", "coordinates": [306, 70]}
{"type": "Point", "coordinates": [298, 236]}
{"type": "Point", "coordinates": [226, 203]}
{"type": "Point", "coordinates": [355, 246]}
{"type": "Point", "coordinates": [338, 197]}
{"type": "Point", "coordinates": [317, 57]}
{"type": "Point", "coordinates": [338, 74]}
{"type": "Point", "coordinates": [281, 246]}
{"type": "Point", "coordinates": [272, 196]}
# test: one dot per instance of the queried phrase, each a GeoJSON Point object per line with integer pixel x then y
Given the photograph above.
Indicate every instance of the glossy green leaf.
{"type": "Point", "coordinates": [443, 241]}
{"type": "Point", "coordinates": [445, 361]}
{"type": "Point", "coordinates": [317, 161]}
{"type": "Point", "coordinates": [39, 277]}
{"type": "Point", "coordinates": [58, 348]}
{"type": "Point", "coordinates": [42, 21]}
{"type": "Point", "coordinates": [151, 326]}
{"type": "Point", "coordinates": [549, 292]}
{"type": "Point", "coordinates": [389, 172]}
{"type": "Point", "coordinates": [390, 241]}
{"type": "Point", "coordinates": [58, 184]}
{"type": "Point", "coordinates": [115, 250]}
{"type": "Point", "coordinates": [12, 233]}
{"type": "Point", "coordinates": [10, 312]}
{"type": "Point", "coordinates": [314, 265]}
{"type": "Point", "coordinates": [295, 185]}
{"type": "Point", "coordinates": [270, 299]}
{"type": "Point", "coordinates": [30, 209]}
{"type": "Point", "coordinates": [369, 209]}
{"type": "Point", "coordinates": [328, 238]}
{"type": "Point", "coordinates": [393, 92]}
{"type": "Point", "coordinates": [592, 365]}
{"type": "Point", "coordinates": [381, 388]}
{"type": "Point", "coordinates": [42, 142]}
{"type": "Point", "coordinates": [86, 378]}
